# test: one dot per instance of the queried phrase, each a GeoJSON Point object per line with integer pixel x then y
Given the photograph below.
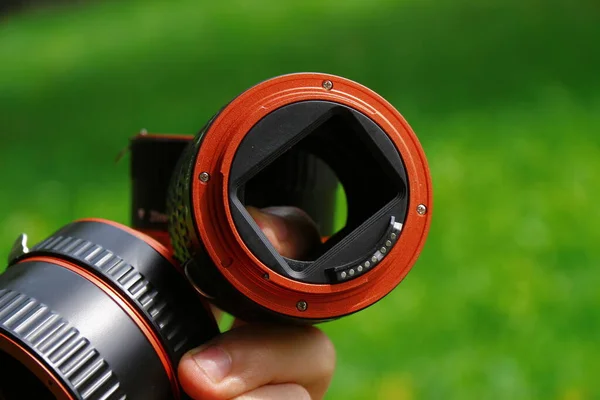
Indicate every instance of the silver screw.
{"type": "Point", "coordinates": [204, 177]}
{"type": "Point", "coordinates": [343, 274]}
{"type": "Point", "coordinates": [388, 243]}
{"type": "Point", "coordinates": [393, 236]}
{"type": "Point", "coordinates": [359, 268]}
{"type": "Point", "coordinates": [421, 209]}
{"type": "Point", "coordinates": [301, 305]}
{"type": "Point", "coordinates": [367, 264]}
{"type": "Point", "coordinates": [327, 85]}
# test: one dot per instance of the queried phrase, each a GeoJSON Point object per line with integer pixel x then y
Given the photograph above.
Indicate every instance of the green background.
{"type": "Point", "coordinates": [504, 96]}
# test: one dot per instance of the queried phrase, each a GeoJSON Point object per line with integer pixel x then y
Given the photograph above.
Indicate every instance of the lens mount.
{"type": "Point", "coordinates": [362, 158]}
{"type": "Point", "coordinates": [254, 131]}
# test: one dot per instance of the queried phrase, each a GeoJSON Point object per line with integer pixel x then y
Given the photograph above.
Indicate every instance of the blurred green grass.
{"type": "Point", "coordinates": [505, 97]}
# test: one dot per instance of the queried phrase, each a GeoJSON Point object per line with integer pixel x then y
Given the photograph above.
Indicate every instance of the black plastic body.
{"type": "Point", "coordinates": [152, 162]}
{"type": "Point", "coordinates": [89, 341]}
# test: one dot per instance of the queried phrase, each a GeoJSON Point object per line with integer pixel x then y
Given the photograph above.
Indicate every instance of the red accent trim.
{"type": "Point", "coordinates": [29, 360]}
{"type": "Point", "coordinates": [132, 312]}
{"type": "Point", "coordinates": [219, 235]}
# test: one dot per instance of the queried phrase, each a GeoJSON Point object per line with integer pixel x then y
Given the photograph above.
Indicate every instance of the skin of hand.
{"type": "Point", "coordinates": [265, 362]}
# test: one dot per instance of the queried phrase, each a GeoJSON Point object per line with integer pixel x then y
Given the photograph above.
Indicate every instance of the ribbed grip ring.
{"type": "Point", "coordinates": [124, 276]}
{"type": "Point", "coordinates": [61, 346]}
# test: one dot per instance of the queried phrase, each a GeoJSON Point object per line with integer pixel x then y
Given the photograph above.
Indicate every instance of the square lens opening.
{"type": "Point", "coordinates": [333, 173]}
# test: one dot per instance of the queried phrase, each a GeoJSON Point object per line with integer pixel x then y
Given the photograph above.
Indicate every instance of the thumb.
{"type": "Point", "coordinates": [290, 230]}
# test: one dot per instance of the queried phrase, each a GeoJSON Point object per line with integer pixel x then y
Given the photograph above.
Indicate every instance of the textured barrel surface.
{"type": "Point", "coordinates": [70, 325]}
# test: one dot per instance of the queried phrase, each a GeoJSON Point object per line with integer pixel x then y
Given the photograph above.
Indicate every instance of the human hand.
{"type": "Point", "coordinates": [262, 362]}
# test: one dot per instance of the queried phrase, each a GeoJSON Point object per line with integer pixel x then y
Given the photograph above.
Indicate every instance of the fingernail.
{"type": "Point", "coordinates": [214, 361]}
{"type": "Point", "coordinates": [271, 235]}
{"type": "Point", "coordinates": [273, 226]}
{"type": "Point", "coordinates": [277, 225]}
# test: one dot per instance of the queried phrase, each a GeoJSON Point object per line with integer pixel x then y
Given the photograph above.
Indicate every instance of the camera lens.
{"type": "Point", "coordinates": [97, 311]}
{"type": "Point", "coordinates": [300, 140]}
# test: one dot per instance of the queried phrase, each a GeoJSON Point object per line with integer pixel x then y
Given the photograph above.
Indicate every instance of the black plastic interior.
{"type": "Point", "coordinates": [19, 383]}
{"type": "Point", "coordinates": [300, 176]}
{"type": "Point", "coordinates": [298, 155]}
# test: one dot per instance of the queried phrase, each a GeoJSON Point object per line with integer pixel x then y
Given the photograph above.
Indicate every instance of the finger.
{"type": "Point", "coordinates": [287, 391]}
{"type": "Point", "coordinates": [252, 356]}
{"type": "Point", "coordinates": [290, 230]}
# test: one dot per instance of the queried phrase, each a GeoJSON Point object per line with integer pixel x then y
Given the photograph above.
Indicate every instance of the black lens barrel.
{"type": "Point", "coordinates": [70, 319]}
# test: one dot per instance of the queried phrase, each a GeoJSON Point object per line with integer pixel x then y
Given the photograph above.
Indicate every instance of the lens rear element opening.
{"type": "Point", "coordinates": [304, 151]}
